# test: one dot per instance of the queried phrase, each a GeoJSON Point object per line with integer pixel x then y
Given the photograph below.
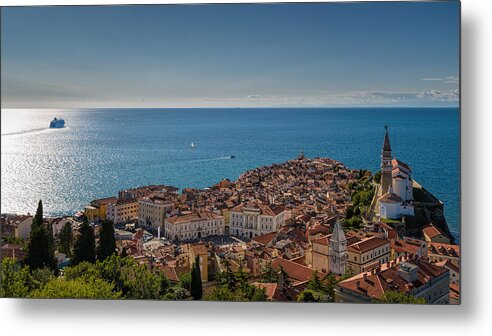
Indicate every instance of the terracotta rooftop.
{"type": "Point", "coordinates": [264, 209]}
{"type": "Point", "coordinates": [266, 238]}
{"type": "Point", "coordinates": [444, 249]}
{"type": "Point", "coordinates": [374, 284]}
{"type": "Point", "coordinates": [432, 231]}
{"type": "Point", "coordinates": [194, 216]}
{"type": "Point", "coordinates": [395, 163]}
{"type": "Point", "coordinates": [294, 270]}
{"type": "Point", "coordinates": [368, 244]}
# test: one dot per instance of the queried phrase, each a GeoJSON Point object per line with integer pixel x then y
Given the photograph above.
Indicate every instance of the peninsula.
{"type": "Point", "coordinates": [309, 229]}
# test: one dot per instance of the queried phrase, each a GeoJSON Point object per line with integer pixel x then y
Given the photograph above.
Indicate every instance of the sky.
{"type": "Point", "coordinates": [241, 55]}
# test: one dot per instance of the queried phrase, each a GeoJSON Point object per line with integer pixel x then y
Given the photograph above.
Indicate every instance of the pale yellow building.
{"type": "Point", "coordinates": [122, 211]}
{"type": "Point", "coordinates": [152, 211]}
{"type": "Point", "coordinates": [367, 254]}
{"type": "Point", "coordinates": [194, 225]}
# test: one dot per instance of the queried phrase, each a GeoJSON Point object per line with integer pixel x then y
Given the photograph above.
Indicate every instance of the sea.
{"type": "Point", "coordinates": [102, 151]}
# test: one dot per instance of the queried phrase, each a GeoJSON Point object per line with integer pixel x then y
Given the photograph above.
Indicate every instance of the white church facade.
{"type": "Point", "coordinates": [396, 185]}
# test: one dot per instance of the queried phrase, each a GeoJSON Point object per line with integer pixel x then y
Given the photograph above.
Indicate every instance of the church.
{"type": "Point", "coordinates": [396, 187]}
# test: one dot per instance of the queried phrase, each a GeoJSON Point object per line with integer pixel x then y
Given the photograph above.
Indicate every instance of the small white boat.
{"type": "Point", "coordinates": [192, 145]}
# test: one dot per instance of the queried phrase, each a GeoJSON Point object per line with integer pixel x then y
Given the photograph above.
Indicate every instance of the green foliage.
{"type": "Point", "coordinates": [23, 243]}
{"type": "Point", "coordinates": [41, 277]}
{"type": "Point", "coordinates": [362, 194]}
{"type": "Point", "coordinates": [66, 239]}
{"type": "Point", "coordinates": [76, 289]}
{"type": "Point", "coordinates": [40, 249]}
{"type": "Point", "coordinates": [83, 270]}
{"type": "Point", "coordinates": [234, 286]}
{"type": "Point", "coordinates": [397, 297]}
{"type": "Point", "coordinates": [107, 242]}
{"type": "Point", "coordinates": [196, 290]}
{"type": "Point", "coordinates": [85, 245]}
{"type": "Point", "coordinates": [15, 281]}
{"type": "Point", "coordinates": [377, 177]}
{"type": "Point", "coordinates": [134, 281]}
{"type": "Point", "coordinates": [176, 293]}
{"type": "Point", "coordinates": [308, 295]}
{"type": "Point", "coordinates": [269, 275]}
{"type": "Point", "coordinates": [353, 223]}
{"type": "Point", "coordinates": [324, 289]}
{"type": "Point", "coordinates": [185, 280]}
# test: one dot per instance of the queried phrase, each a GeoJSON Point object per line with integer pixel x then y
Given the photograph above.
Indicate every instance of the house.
{"type": "Point", "coordinates": [256, 218]}
{"type": "Point", "coordinates": [296, 272]}
{"type": "Point", "coordinates": [122, 211]}
{"type": "Point", "coordinates": [194, 225]}
{"type": "Point", "coordinates": [152, 211]}
{"type": "Point", "coordinates": [432, 233]}
{"type": "Point", "coordinates": [407, 275]}
{"type": "Point", "coordinates": [367, 254]}
{"type": "Point", "coordinates": [441, 252]}
{"type": "Point", "coordinates": [408, 245]}
{"type": "Point", "coordinates": [97, 209]}
{"type": "Point", "coordinates": [17, 225]}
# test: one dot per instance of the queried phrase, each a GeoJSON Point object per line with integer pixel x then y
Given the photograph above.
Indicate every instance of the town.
{"type": "Point", "coordinates": [309, 229]}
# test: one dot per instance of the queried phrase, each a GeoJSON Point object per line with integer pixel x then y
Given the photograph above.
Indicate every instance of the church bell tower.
{"type": "Point", "coordinates": [386, 178]}
{"type": "Point", "coordinates": [338, 250]}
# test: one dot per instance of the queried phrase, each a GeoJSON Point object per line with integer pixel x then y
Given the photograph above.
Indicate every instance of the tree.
{"type": "Point", "coordinates": [124, 254]}
{"type": "Point", "coordinates": [233, 286]}
{"type": "Point", "coordinates": [185, 280]}
{"type": "Point", "coordinates": [132, 280]}
{"type": "Point", "coordinates": [315, 283]}
{"type": "Point", "coordinates": [269, 275]}
{"type": "Point", "coordinates": [85, 246]}
{"type": "Point", "coordinates": [398, 297]}
{"type": "Point", "coordinates": [107, 243]}
{"type": "Point", "coordinates": [196, 290]}
{"type": "Point", "coordinates": [76, 289]}
{"type": "Point", "coordinates": [66, 239]}
{"type": "Point", "coordinates": [377, 177]}
{"type": "Point", "coordinates": [308, 295]}
{"type": "Point", "coordinates": [40, 249]}
{"type": "Point", "coordinates": [15, 281]}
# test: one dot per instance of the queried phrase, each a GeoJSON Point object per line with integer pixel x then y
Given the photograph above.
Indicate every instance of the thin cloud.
{"type": "Point", "coordinates": [446, 79]}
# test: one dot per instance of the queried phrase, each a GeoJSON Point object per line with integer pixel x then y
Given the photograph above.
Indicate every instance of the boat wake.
{"type": "Point", "coordinates": [34, 130]}
{"type": "Point", "coordinates": [213, 159]}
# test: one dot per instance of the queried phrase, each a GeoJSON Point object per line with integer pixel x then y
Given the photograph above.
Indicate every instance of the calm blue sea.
{"type": "Point", "coordinates": [104, 150]}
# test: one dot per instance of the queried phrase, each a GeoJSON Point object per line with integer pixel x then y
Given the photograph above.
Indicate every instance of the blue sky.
{"type": "Point", "coordinates": [325, 54]}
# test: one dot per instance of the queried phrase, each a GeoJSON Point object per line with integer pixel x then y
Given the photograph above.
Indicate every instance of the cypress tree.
{"type": "Point", "coordinates": [196, 290]}
{"type": "Point", "coordinates": [85, 245]}
{"type": "Point", "coordinates": [107, 243]}
{"type": "Point", "coordinates": [40, 249]}
{"type": "Point", "coordinates": [66, 239]}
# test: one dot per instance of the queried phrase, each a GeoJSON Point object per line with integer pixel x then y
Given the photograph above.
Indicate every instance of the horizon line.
{"type": "Point", "coordinates": [226, 107]}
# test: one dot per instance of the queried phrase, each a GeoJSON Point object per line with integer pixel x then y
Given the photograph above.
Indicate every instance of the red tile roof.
{"type": "Point", "coordinates": [266, 238]}
{"type": "Point", "coordinates": [368, 244]}
{"type": "Point", "coordinates": [433, 231]}
{"type": "Point", "coordinates": [447, 250]}
{"type": "Point", "coordinates": [374, 284]}
{"type": "Point", "coordinates": [294, 270]}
